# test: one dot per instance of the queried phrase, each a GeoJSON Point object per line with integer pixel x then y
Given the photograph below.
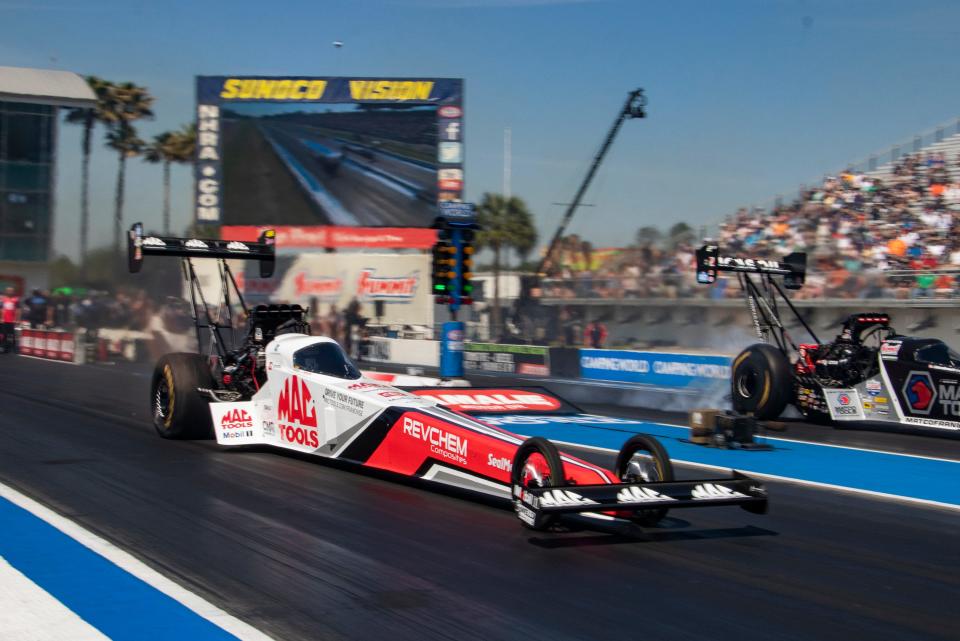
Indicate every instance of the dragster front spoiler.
{"type": "Point", "coordinates": [534, 505]}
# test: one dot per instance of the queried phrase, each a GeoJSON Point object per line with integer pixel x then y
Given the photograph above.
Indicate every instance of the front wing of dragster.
{"type": "Point", "coordinates": [533, 503]}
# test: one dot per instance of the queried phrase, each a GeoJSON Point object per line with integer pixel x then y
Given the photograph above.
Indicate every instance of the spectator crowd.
{"type": "Point", "coordinates": [866, 237]}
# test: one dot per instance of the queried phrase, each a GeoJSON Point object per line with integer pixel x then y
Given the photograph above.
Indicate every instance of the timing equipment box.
{"type": "Point", "coordinates": [735, 428]}
{"type": "Point", "coordinates": [703, 425]}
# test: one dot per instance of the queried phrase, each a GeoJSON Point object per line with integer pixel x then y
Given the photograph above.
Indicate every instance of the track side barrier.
{"type": "Point", "coordinates": [403, 351]}
{"type": "Point", "coordinates": [52, 345]}
{"type": "Point", "coordinates": [120, 345]}
{"type": "Point", "coordinates": [629, 378]}
{"type": "Point", "coordinates": [518, 360]}
{"type": "Point", "coordinates": [565, 362]}
{"type": "Point", "coordinates": [659, 369]}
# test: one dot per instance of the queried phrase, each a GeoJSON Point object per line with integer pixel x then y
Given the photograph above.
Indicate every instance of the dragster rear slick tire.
{"type": "Point", "coordinates": [179, 410]}
{"type": "Point", "coordinates": [662, 471]}
{"type": "Point", "coordinates": [550, 454]}
{"type": "Point", "coordinates": [761, 382]}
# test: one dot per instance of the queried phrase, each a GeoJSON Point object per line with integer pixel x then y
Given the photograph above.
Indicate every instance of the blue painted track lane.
{"type": "Point", "coordinates": [110, 599]}
{"type": "Point", "coordinates": [888, 473]}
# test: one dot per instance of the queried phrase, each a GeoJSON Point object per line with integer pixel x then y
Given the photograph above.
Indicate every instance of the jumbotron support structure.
{"type": "Point", "coordinates": [632, 108]}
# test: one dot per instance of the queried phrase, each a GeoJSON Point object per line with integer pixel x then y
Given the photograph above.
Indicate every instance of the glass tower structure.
{"type": "Point", "coordinates": [27, 143]}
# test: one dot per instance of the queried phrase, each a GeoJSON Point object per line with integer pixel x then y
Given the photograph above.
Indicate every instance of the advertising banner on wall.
{"type": "Point", "coordinates": [292, 150]}
{"type": "Point", "coordinates": [399, 281]}
{"type": "Point", "coordinates": [654, 368]}
{"type": "Point", "coordinates": [325, 237]}
{"type": "Point", "coordinates": [526, 360]}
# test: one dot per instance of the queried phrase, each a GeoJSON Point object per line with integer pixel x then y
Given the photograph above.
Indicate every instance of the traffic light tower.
{"type": "Point", "coordinates": [453, 256]}
{"type": "Point", "coordinates": [453, 278]}
{"type": "Point", "coordinates": [444, 262]}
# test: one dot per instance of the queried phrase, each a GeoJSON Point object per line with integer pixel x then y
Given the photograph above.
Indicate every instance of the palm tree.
{"type": "Point", "coordinates": [129, 103]}
{"type": "Point", "coordinates": [505, 223]}
{"type": "Point", "coordinates": [163, 149]}
{"type": "Point", "coordinates": [101, 112]}
{"type": "Point", "coordinates": [122, 139]}
{"type": "Point", "coordinates": [187, 142]}
{"type": "Point", "coordinates": [167, 148]}
{"type": "Point", "coordinates": [649, 236]}
{"type": "Point", "coordinates": [681, 233]}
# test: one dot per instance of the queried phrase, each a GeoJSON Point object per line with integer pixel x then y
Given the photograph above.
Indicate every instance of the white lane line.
{"type": "Point", "coordinates": [817, 443]}
{"type": "Point", "coordinates": [134, 566]}
{"type": "Point", "coordinates": [789, 479]}
{"type": "Point", "coordinates": [858, 449]}
{"type": "Point", "coordinates": [48, 360]}
{"type": "Point", "coordinates": [30, 613]}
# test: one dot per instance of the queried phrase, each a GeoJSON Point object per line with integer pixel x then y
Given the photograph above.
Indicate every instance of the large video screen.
{"type": "Point", "coordinates": [368, 152]}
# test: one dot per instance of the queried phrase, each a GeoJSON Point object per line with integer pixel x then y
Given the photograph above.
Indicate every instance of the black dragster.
{"type": "Point", "coordinates": [868, 373]}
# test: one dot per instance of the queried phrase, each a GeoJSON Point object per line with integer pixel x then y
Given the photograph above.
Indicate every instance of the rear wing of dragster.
{"type": "Point", "coordinates": [792, 267]}
{"type": "Point", "coordinates": [139, 246]}
{"type": "Point", "coordinates": [187, 249]}
{"type": "Point", "coordinates": [761, 296]}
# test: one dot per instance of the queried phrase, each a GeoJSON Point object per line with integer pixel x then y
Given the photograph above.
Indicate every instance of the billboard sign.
{"type": "Point", "coordinates": [525, 360]}
{"type": "Point", "coordinates": [324, 237]}
{"type": "Point", "coordinates": [400, 281]}
{"type": "Point", "coordinates": [303, 151]}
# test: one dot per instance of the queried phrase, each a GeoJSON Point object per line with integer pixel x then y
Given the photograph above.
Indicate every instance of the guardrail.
{"type": "Point", "coordinates": [911, 145]}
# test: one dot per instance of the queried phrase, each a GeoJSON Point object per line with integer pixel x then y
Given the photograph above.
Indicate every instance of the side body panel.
{"type": "Point", "coordinates": [928, 395]}
{"type": "Point", "coordinates": [373, 424]}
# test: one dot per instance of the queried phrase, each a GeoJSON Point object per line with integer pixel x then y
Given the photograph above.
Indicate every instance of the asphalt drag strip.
{"type": "Point", "coordinates": [301, 549]}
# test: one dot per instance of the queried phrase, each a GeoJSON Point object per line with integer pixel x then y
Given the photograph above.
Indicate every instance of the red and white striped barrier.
{"type": "Point", "coordinates": [53, 345]}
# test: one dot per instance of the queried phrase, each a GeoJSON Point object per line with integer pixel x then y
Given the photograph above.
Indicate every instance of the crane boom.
{"type": "Point", "coordinates": [632, 108]}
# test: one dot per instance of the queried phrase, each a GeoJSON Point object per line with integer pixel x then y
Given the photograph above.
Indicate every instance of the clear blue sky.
{"type": "Point", "coordinates": [748, 99]}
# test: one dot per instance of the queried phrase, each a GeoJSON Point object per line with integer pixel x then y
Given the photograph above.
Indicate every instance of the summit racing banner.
{"type": "Point", "coordinates": [527, 360]}
{"type": "Point", "coordinates": [654, 368]}
{"type": "Point", "coordinates": [322, 281]}
{"type": "Point", "coordinates": [301, 151]}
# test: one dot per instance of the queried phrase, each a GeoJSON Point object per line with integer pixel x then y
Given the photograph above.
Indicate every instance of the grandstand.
{"type": "Point", "coordinates": [941, 139]}
{"type": "Point", "coordinates": [884, 233]}
{"type": "Point", "coordinates": [949, 148]}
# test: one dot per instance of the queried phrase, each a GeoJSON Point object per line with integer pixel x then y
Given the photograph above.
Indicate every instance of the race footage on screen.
{"type": "Point", "coordinates": [327, 151]}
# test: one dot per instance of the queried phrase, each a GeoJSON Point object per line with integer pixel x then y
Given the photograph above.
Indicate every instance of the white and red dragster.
{"type": "Point", "coordinates": [284, 388]}
{"type": "Point", "coordinates": [316, 401]}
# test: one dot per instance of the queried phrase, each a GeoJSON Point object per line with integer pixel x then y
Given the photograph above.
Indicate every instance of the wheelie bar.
{"type": "Point", "coordinates": [740, 490]}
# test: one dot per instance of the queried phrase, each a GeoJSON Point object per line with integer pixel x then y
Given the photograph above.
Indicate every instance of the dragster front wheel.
{"type": "Point", "coordinates": [536, 464]}
{"type": "Point", "coordinates": [643, 460]}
